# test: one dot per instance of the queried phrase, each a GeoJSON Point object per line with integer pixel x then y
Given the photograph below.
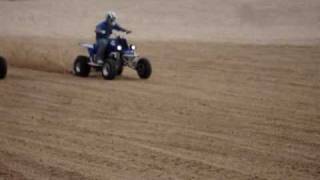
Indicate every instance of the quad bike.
{"type": "Point", "coordinates": [3, 68]}
{"type": "Point", "coordinates": [118, 54]}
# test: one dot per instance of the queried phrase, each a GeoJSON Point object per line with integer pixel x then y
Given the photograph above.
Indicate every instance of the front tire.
{"type": "Point", "coordinates": [120, 68]}
{"type": "Point", "coordinates": [81, 67]}
{"type": "Point", "coordinates": [3, 68]}
{"type": "Point", "coordinates": [144, 68]}
{"type": "Point", "coordinates": [109, 70]}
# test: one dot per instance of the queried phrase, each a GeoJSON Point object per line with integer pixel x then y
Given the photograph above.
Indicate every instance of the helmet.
{"type": "Point", "coordinates": [111, 15]}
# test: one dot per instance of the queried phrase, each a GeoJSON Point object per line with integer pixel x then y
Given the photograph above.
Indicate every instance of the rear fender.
{"type": "Point", "coordinates": [91, 49]}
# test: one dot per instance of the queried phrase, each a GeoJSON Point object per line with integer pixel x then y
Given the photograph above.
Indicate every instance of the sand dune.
{"type": "Point", "coordinates": [219, 105]}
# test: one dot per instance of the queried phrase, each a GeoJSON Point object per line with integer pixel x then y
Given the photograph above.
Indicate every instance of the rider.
{"type": "Point", "coordinates": [103, 32]}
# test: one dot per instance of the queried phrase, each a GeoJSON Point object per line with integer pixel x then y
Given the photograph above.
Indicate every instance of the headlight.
{"type": "Point", "coordinates": [119, 47]}
{"type": "Point", "coordinates": [133, 47]}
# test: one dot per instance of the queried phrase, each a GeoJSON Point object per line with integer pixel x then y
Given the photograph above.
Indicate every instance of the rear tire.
{"type": "Point", "coordinates": [109, 70]}
{"type": "Point", "coordinates": [81, 67]}
{"type": "Point", "coordinates": [144, 68]}
{"type": "Point", "coordinates": [3, 68]}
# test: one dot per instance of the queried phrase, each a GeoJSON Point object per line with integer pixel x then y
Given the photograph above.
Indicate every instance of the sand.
{"type": "Point", "coordinates": [222, 103]}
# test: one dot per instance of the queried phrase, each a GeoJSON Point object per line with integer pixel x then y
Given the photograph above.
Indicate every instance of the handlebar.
{"type": "Point", "coordinates": [104, 32]}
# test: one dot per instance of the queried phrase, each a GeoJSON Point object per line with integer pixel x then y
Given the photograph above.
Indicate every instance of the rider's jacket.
{"type": "Point", "coordinates": [104, 29]}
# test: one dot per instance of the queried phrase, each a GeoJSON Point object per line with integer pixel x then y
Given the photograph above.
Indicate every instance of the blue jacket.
{"type": "Point", "coordinates": [104, 29]}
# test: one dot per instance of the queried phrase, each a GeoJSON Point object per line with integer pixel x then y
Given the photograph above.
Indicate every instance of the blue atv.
{"type": "Point", "coordinates": [3, 67]}
{"type": "Point", "coordinates": [118, 54]}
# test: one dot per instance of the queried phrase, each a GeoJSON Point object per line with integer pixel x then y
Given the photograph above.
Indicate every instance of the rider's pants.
{"type": "Point", "coordinates": [102, 47]}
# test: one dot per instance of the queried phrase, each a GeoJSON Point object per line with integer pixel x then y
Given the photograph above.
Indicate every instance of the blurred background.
{"type": "Point", "coordinates": [241, 21]}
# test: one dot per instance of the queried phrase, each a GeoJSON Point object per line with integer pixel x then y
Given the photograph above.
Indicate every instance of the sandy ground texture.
{"type": "Point", "coordinates": [222, 112]}
{"type": "Point", "coordinates": [211, 110]}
